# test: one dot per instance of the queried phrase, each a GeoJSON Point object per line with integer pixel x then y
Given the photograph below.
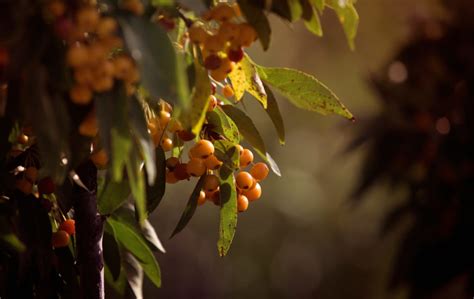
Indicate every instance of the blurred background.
{"type": "Point", "coordinates": [305, 237]}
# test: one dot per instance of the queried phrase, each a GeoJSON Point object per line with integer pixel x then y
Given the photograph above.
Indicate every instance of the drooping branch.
{"type": "Point", "coordinates": [89, 230]}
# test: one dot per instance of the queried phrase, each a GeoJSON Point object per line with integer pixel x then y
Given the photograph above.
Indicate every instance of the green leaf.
{"type": "Point", "coordinates": [311, 18]}
{"type": "Point", "coordinates": [246, 127]}
{"type": "Point", "coordinates": [296, 10]}
{"type": "Point", "coordinates": [244, 77]}
{"type": "Point", "coordinates": [304, 91]}
{"type": "Point", "coordinates": [222, 124]}
{"type": "Point", "coordinates": [257, 18]}
{"type": "Point", "coordinates": [348, 17]}
{"type": "Point", "coordinates": [137, 183]}
{"type": "Point", "coordinates": [193, 118]}
{"type": "Point", "coordinates": [13, 242]}
{"type": "Point", "coordinates": [162, 74]}
{"type": "Point", "coordinates": [155, 192]}
{"type": "Point", "coordinates": [190, 207]}
{"type": "Point", "coordinates": [162, 2]}
{"type": "Point", "coordinates": [319, 4]}
{"type": "Point", "coordinates": [114, 195]}
{"type": "Point", "coordinates": [111, 251]}
{"type": "Point", "coordinates": [228, 212]}
{"type": "Point", "coordinates": [137, 246]}
{"type": "Point", "coordinates": [275, 115]}
{"type": "Point", "coordinates": [224, 151]}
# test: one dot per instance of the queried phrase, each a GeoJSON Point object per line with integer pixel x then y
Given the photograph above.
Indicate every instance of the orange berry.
{"type": "Point", "coordinates": [123, 65]}
{"type": "Point", "coordinates": [228, 91]}
{"type": "Point", "coordinates": [134, 6]}
{"type": "Point", "coordinates": [212, 162]}
{"type": "Point", "coordinates": [87, 19]}
{"type": "Point", "coordinates": [24, 185]}
{"type": "Point", "coordinates": [214, 44]}
{"type": "Point", "coordinates": [244, 180]}
{"type": "Point", "coordinates": [77, 55]}
{"type": "Point", "coordinates": [22, 139]}
{"type": "Point", "coordinates": [202, 198]}
{"type": "Point", "coordinates": [211, 183]}
{"type": "Point", "coordinates": [181, 171]}
{"type": "Point", "coordinates": [56, 8]}
{"type": "Point", "coordinates": [212, 103]}
{"type": "Point", "coordinates": [69, 226]}
{"type": "Point", "coordinates": [239, 148]}
{"type": "Point", "coordinates": [246, 157]}
{"type": "Point", "coordinates": [171, 163]}
{"type": "Point", "coordinates": [242, 203]}
{"type": "Point", "coordinates": [107, 26]}
{"type": "Point", "coordinates": [60, 239]}
{"type": "Point", "coordinates": [196, 167]}
{"type": "Point", "coordinates": [236, 9]}
{"type": "Point", "coordinates": [202, 149]}
{"type": "Point", "coordinates": [228, 31]}
{"type": "Point", "coordinates": [31, 174]}
{"type": "Point", "coordinates": [214, 197]}
{"type": "Point", "coordinates": [197, 34]}
{"type": "Point", "coordinates": [259, 171]}
{"type": "Point", "coordinates": [166, 144]}
{"type": "Point", "coordinates": [80, 94]}
{"type": "Point", "coordinates": [100, 158]}
{"type": "Point", "coordinates": [226, 66]}
{"type": "Point", "coordinates": [164, 118]}
{"type": "Point", "coordinates": [254, 193]}
{"type": "Point", "coordinates": [171, 177]}
{"type": "Point", "coordinates": [222, 12]}
{"type": "Point", "coordinates": [247, 35]}
{"type": "Point", "coordinates": [83, 75]}
{"type": "Point", "coordinates": [218, 75]}
{"type": "Point", "coordinates": [89, 126]}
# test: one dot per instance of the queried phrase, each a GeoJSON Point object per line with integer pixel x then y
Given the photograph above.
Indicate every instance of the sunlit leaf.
{"type": "Point", "coordinates": [114, 195]}
{"type": "Point", "coordinates": [244, 77]}
{"type": "Point", "coordinates": [311, 18]}
{"type": "Point", "coordinates": [348, 17]}
{"type": "Point", "coordinates": [190, 208]}
{"type": "Point", "coordinates": [304, 90]}
{"type": "Point", "coordinates": [223, 125]}
{"type": "Point", "coordinates": [274, 113]}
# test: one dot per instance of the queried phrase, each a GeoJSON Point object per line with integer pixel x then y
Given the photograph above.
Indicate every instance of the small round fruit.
{"type": "Point", "coordinates": [166, 144]}
{"type": "Point", "coordinates": [56, 8]}
{"type": "Point", "coordinates": [214, 197]}
{"type": "Point", "coordinates": [212, 103]}
{"type": "Point", "coordinates": [202, 198]}
{"type": "Point", "coordinates": [60, 239]}
{"type": "Point", "coordinates": [172, 162]}
{"type": "Point", "coordinates": [212, 162]}
{"type": "Point", "coordinates": [196, 167]}
{"type": "Point", "coordinates": [81, 94]}
{"type": "Point", "coordinates": [247, 35]}
{"type": "Point", "coordinates": [164, 117]}
{"type": "Point", "coordinates": [123, 65]}
{"type": "Point", "coordinates": [89, 126]}
{"type": "Point", "coordinates": [229, 31]}
{"type": "Point", "coordinates": [242, 203]}
{"type": "Point", "coordinates": [212, 62]}
{"type": "Point", "coordinates": [244, 180]}
{"type": "Point", "coordinates": [239, 148]}
{"type": "Point", "coordinates": [197, 34]}
{"type": "Point", "coordinates": [246, 157]}
{"type": "Point", "coordinates": [77, 56]}
{"type": "Point", "coordinates": [181, 172]}
{"type": "Point", "coordinates": [100, 158]}
{"type": "Point", "coordinates": [69, 226]}
{"type": "Point", "coordinates": [107, 26]}
{"type": "Point", "coordinates": [226, 66]}
{"type": "Point", "coordinates": [46, 186]}
{"type": "Point", "coordinates": [211, 183]}
{"type": "Point", "coordinates": [222, 12]}
{"type": "Point", "coordinates": [228, 91]}
{"type": "Point", "coordinates": [22, 139]}
{"type": "Point", "coordinates": [171, 177]}
{"type": "Point", "coordinates": [31, 174]}
{"type": "Point", "coordinates": [218, 75]}
{"type": "Point", "coordinates": [214, 43]}
{"type": "Point", "coordinates": [202, 149]}
{"type": "Point", "coordinates": [24, 185]}
{"type": "Point", "coordinates": [186, 135]}
{"type": "Point", "coordinates": [87, 19]}
{"type": "Point", "coordinates": [259, 171]}
{"type": "Point", "coordinates": [235, 55]}
{"type": "Point", "coordinates": [254, 193]}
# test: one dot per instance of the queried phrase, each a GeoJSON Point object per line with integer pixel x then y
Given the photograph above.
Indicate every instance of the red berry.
{"type": "Point", "coordinates": [60, 239]}
{"type": "Point", "coordinates": [69, 226]}
{"type": "Point", "coordinates": [46, 186]}
{"type": "Point", "coordinates": [181, 172]}
{"type": "Point", "coordinates": [212, 62]}
{"type": "Point", "coordinates": [235, 55]}
{"type": "Point", "coordinates": [186, 135]}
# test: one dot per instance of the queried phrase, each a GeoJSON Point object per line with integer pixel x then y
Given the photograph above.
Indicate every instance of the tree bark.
{"type": "Point", "coordinates": [89, 231]}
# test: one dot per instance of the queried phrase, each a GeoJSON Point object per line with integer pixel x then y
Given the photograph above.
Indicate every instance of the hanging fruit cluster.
{"type": "Point", "coordinates": [222, 36]}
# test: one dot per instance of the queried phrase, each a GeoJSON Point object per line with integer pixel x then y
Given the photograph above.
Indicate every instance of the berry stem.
{"type": "Point", "coordinates": [89, 230]}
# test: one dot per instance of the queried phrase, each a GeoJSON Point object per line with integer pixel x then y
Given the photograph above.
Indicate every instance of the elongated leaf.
{"type": "Point", "coordinates": [111, 251]}
{"type": "Point", "coordinates": [245, 78]}
{"type": "Point", "coordinates": [161, 72]}
{"type": "Point", "coordinates": [137, 184]}
{"type": "Point", "coordinates": [304, 91]}
{"type": "Point", "coordinates": [311, 18]}
{"type": "Point", "coordinates": [246, 127]}
{"type": "Point", "coordinates": [223, 125]}
{"type": "Point", "coordinates": [190, 208]}
{"type": "Point", "coordinates": [193, 118]}
{"type": "Point", "coordinates": [150, 235]}
{"type": "Point", "coordinates": [319, 4]}
{"type": "Point", "coordinates": [228, 212]}
{"type": "Point", "coordinates": [274, 113]}
{"type": "Point", "coordinates": [138, 247]}
{"type": "Point", "coordinates": [114, 195]}
{"type": "Point", "coordinates": [273, 165]}
{"type": "Point", "coordinates": [296, 10]}
{"type": "Point", "coordinates": [348, 17]}
{"type": "Point", "coordinates": [155, 192]}
{"type": "Point", "coordinates": [257, 18]}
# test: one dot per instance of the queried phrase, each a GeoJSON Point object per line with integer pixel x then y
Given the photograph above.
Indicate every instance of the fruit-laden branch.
{"type": "Point", "coordinates": [89, 230]}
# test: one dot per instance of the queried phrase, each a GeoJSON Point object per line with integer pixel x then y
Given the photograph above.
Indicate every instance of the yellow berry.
{"type": "Point", "coordinates": [259, 171]}
{"type": "Point", "coordinates": [166, 144]}
{"type": "Point", "coordinates": [218, 75]}
{"type": "Point", "coordinates": [244, 180]}
{"type": "Point", "coordinates": [164, 118]}
{"type": "Point", "coordinates": [196, 167]}
{"type": "Point", "coordinates": [253, 193]}
{"type": "Point", "coordinates": [123, 65]}
{"type": "Point", "coordinates": [83, 75]}
{"type": "Point", "coordinates": [103, 84]}
{"type": "Point", "coordinates": [202, 198]}
{"type": "Point", "coordinates": [246, 157]}
{"type": "Point", "coordinates": [228, 91]}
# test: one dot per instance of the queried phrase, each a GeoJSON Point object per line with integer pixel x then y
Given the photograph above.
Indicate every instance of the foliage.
{"type": "Point", "coordinates": [95, 120]}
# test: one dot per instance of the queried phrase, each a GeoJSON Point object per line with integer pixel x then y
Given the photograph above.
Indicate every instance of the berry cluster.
{"type": "Point", "coordinates": [221, 35]}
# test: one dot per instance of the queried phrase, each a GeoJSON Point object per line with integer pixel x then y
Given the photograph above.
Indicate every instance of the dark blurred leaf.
{"type": "Point", "coordinates": [163, 75]}
{"type": "Point", "coordinates": [136, 245]}
{"type": "Point", "coordinates": [111, 251]}
{"type": "Point", "coordinates": [155, 192]}
{"type": "Point", "coordinates": [190, 207]}
{"type": "Point", "coordinates": [244, 77]}
{"type": "Point", "coordinates": [193, 117]}
{"type": "Point", "coordinates": [275, 115]}
{"type": "Point", "coordinates": [136, 179]}
{"type": "Point", "coordinates": [134, 273]}
{"type": "Point", "coordinates": [113, 196]}
{"type": "Point", "coordinates": [223, 125]}
{"type": "Point", "coordinates": [228, 199]}
{"type": "Point", "coordinates": [255, 15]}
{"type": "Point", "coordinates": [303, 90]}
{"type": "Point", "coordinates": [246, 127]}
